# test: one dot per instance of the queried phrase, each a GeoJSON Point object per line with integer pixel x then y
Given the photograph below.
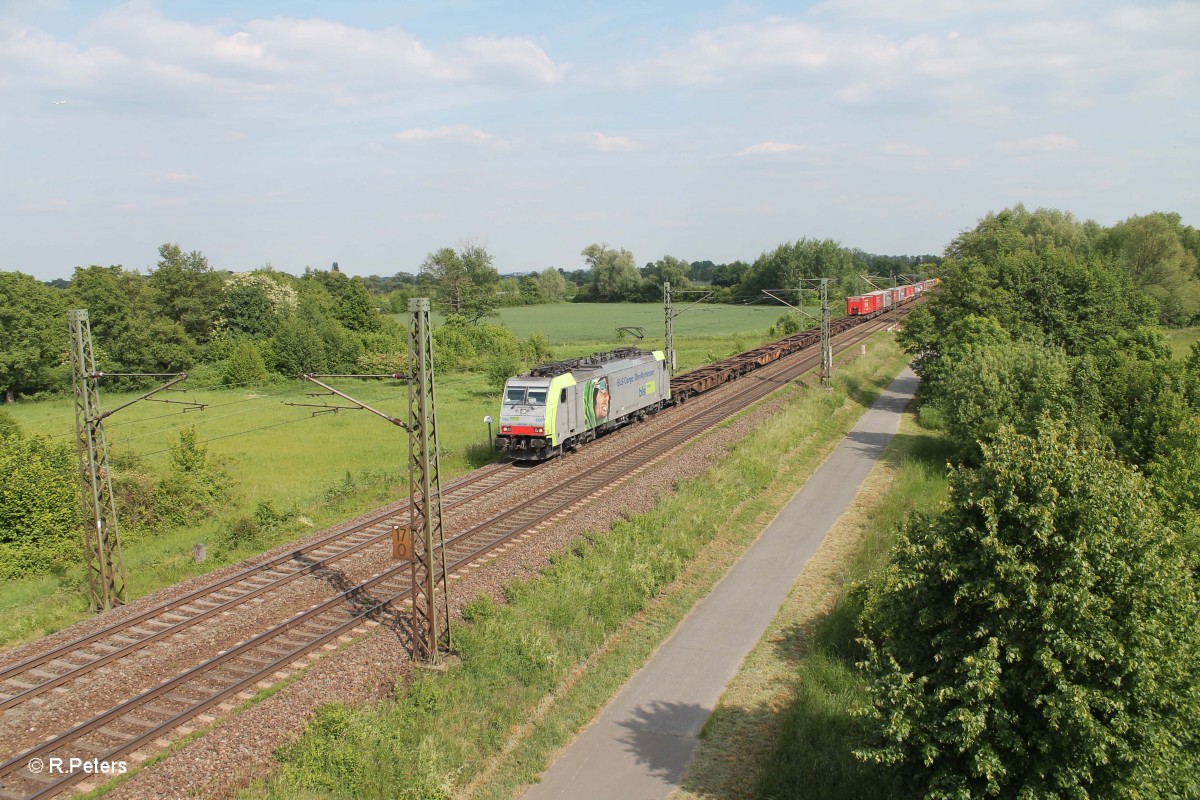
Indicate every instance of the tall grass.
{"type": "Point", "coordinates": [813, 755]}
{"type": "Point", "coordinates": [536, 668]}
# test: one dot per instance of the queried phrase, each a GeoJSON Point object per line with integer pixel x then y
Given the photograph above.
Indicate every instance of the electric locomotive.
{"type": "Point", "coordinates": [562, 405]}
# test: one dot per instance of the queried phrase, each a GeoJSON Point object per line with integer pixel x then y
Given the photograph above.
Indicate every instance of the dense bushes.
{"type": "Point", "coordinates": [487, 348]}
{"type": "Point", "coordinates": [1038, 638]}
{"type": "Point", "coordinates": [193, 487]}
{"type": "Point", "coordinates": [39, 503]}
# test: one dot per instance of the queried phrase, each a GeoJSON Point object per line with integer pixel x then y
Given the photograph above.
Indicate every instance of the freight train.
{"type": "Point", "coordinates": [560, 406]}
{"type": "Point", "coordinates": [873, 303]}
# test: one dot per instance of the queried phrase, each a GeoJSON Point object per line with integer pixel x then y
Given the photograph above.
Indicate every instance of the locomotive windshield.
{"type": "Point", "coordinates": [516, 396]}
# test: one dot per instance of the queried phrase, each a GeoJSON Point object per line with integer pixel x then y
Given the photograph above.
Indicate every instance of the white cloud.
{"type": "Point", "coordinates": [770, 148]}
{"type": "Point", "coordinates": [490, 58]}
{"type": "Point", "coordinates": [460, 134]}
{"type": "Point", "coordinates": [927, 11]}
{"type": "Point", "coordinates": [1049, 143]}
{"type": "Point", "coordinates": [732, 54]}
{"type": "Point", "coordinates": [980, 50]}
{"type": "Point", "coordinates": [610, 144]}
{"type": "Point", "coordinates": [134, 51]}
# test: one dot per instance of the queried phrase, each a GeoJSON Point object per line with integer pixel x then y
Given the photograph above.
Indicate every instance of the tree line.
{"type": "Point", "coordinates": [236, 327]}
{"type": "Point", "coordinates": [1040, 635]}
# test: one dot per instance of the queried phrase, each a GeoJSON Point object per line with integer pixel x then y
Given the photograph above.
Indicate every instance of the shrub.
{"type": "Point", "coordinates": [1038, 638]}
{"type": "Point", "coordinates": [39, 503]}
{"type": "Point", "coordinates": [786, 325]}
{"type": "Point", "coordinates": [538, 349]}
{"type": "Point", "coordinates": [499, 370]}
{"type": "Point", "coordinates": [245, 363]}
{"type": "Point", "coordinates": [195, 485]}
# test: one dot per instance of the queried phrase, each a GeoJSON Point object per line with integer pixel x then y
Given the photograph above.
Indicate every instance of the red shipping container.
{"type": "Point", "coordinates": [862, 305]}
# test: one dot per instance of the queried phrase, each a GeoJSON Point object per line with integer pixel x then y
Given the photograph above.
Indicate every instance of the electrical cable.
{"type": "Point", "coordinates": [112, 425]}
{"type": "Point", "coordinates": [237, 433]}
{"type": "Point", "coordinates": [206, 420]}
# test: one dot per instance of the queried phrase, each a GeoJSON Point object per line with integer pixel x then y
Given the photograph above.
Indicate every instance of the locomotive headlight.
{"type": "Point", "coordinates": [506, 428]}
{"type": "Point", "coordinates": [539, 430]}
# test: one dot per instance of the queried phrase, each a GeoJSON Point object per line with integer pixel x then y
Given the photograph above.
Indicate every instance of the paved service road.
{"type": "Point", "coordinates": [639, 745]}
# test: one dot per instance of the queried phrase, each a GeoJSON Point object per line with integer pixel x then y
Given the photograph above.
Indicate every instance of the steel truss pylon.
{"type": "Point", "coordinates": [826, 344]}
{"type": "Point", "coordinates": [669, 328]}
{"type": "Point", "coordinates": [431, 614]}
{"type": "Point", "coordinates": [101, 539]}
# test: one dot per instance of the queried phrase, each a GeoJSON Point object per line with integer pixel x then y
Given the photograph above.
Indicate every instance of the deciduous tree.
{"type": "Point", "coordinates": [1154, 250]}
{"type": "Point", "coordinates": [554, 285]}
{"type": "Point", "coordinates": [33, 334]}
{"type": "Point", "coordinates": [187, 290]}
{"type": "Point", "coordinates": [1039, 637]}
{"type": "Point", "coordinates": [614, 273]}
{"type": "Point", "coordinates": [463, 282]}
{"type": "Point", "coordinates": [675, 270]}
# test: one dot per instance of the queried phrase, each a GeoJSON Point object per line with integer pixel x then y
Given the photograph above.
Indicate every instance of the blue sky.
{"type": "Point", "coordinates": [371, 133]}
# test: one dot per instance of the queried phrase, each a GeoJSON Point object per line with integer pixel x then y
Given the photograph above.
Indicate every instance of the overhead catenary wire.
{"type": "Point", "coordinates": [206, 420]}
{"type": "Point", "coordinates": [237, 433]}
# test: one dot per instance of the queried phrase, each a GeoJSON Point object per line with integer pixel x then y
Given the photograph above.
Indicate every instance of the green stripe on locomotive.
{"type": "Point", "coordinates": [659, 355]}
{"type": "Point", "coordinates": [557, 384]}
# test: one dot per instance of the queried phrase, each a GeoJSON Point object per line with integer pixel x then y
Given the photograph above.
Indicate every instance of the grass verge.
{"type": "Point", "coordinates": [783, 727]}
{"type": "Point", "coordinates": [534, 670]}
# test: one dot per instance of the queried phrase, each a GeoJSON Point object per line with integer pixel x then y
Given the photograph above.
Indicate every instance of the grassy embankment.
{"type": "Point", "coordinates": [536, 669]}
{"type": "Point", "coordinates": [326, 468]}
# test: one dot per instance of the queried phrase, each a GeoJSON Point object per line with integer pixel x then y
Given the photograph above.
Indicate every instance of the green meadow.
{"type": "Point", "coordinates": [581, 322]}
{"type": "Point", "coordinates": [704, 332]}
{"type": "Point", "coordinates": [1182, 339]}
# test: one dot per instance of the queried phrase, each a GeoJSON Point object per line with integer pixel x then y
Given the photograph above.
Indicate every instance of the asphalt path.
{"type": "Point", "coordinates": [639, 745]}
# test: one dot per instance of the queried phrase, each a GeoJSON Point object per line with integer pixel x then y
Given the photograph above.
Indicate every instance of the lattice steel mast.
{"type": "Point", "coordinates": [826, 371]}
{"type": "Point", "coordinates": [670, 328]}
{"type": "Point", "coordinates": [826, 345]}
{"type": "Point", "coordinates": [101, 539]}
{"type": "Point", "coordinates": [430, 619]}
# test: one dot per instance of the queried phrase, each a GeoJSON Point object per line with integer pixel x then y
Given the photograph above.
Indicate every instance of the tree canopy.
{"type": "Point", "coordinates": [1039, 638]}
{"type": "Point", "coordinates": [614, 273]}
{"type": "Point", "coordinates": [462, 281]}
{"type": "Point", "coordinates": [33, 334]}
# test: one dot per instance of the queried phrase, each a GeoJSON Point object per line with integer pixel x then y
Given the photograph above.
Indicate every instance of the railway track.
{"type": "Point", "coordinates": [149, 719]}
